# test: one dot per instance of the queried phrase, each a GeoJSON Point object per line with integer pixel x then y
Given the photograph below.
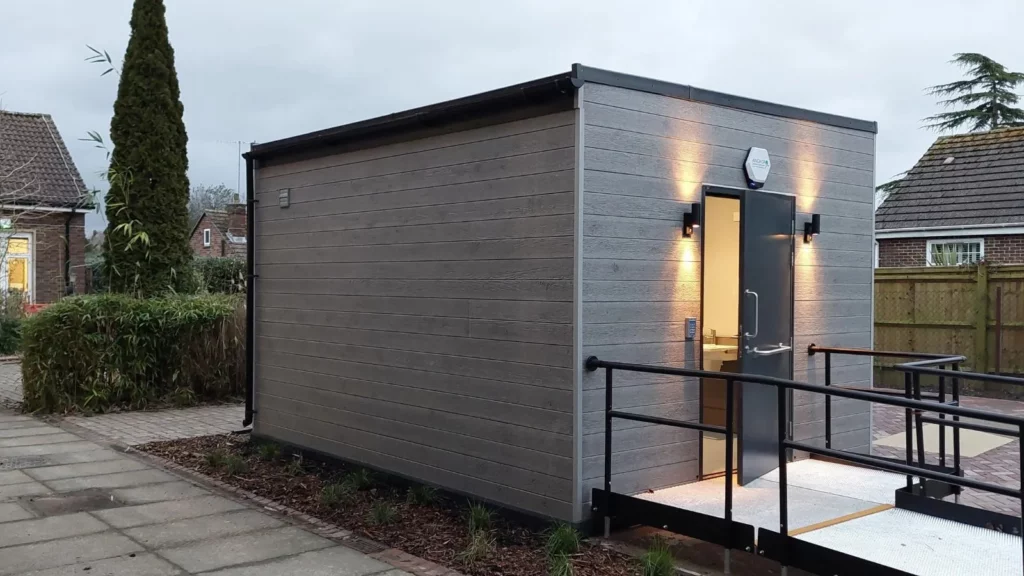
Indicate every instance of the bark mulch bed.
{"type": "Point", "coordinates": [438, 532]}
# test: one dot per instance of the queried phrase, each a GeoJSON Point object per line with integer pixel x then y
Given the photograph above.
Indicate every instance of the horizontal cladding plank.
{"type": "Point", "coordinates": [542, 428]}
{"type": "Point", "coordinates": [341, 199]}
{"type": "Point", "coordinates": [543, 290]}
{"type": "Point", "coordinates": [281, 428]}
{"type": "Point", "coordinates": [635, 439]}
{"type": "Point", "coordinates": [676, 353]}
{"type": "Point", "coordinates": [832, 292]}
{"type": "Point", "coordinates": [462, 346]}
{"type": "Point", "coordinates": [457, 138]}
{"type": "Point", "coordinates": [528, 269]}
{"type": "Point", "coordinates": [640, 290]}
{"type": "Point", "coordinates": [686, 186]}
{"type": "Point", "coordinates": [833, 309]}
{"type": "Point", "coordinates": [475, 210]}
{"type": "Point", "coordinates": [533, 374]}
{"type": "Point", "coordinates": [426, 161]}
{"type": "Point", "coordinates": [811, 325]}
{"type": "Point", "coordinates": [538, 332]}
{"type": "Point", "coordinates": [614, 226]}
{"type": "Point", "coordinates": [517, 248]}
{"type": "Point", "coordinates": [802, 131]}
{"type": "Point", "coordinates": [707, 152]}
{"type": "Point", "coordinates": [511, 310]}
{"type": "Point", "coordinates": [536, 227]}
{"type": "Point", "coordinates": [633, 332]}
{"type": "Point", "coordinates": [634, 249]}
{"type": "Point", "coordinates": [689, 176]}
{"type": "Point", "coordinates": [823, 275]}
{"type": "Point", "coordinates": [629, 312]}
{"type": "Point", "coordinates": [738, 138]}
{"type": "Point", "coordinates": [626, 397]}
{"type": "Point", "coordinates": [642, 458]}
{"type": "Point", "coordinates": [646, 480]}
{"type": "Point", "coordinates": [593, 422]}
{"type": "Point", "coordinates": [324, 197]}
{"type": "Point", "coordinates": [406, 425]}
{"type": "Point", "coordinates": [629, 270]}
{"type": "Point", "coordinates": [859, 241]}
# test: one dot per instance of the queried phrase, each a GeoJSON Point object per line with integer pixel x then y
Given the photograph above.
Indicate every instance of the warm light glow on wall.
{"type": "Point", "coordinates": [690, 162]}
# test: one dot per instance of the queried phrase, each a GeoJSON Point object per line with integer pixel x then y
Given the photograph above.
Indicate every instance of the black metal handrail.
{"type": "Point", "coordinates": [784, 443]}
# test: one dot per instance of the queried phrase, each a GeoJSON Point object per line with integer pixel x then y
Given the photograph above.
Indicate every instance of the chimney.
{"type": "Point", "coordinates": [236, 217]}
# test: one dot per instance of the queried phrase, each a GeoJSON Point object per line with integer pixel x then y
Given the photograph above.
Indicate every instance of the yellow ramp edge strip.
{"type": "Point", "coordinates": [841, 519]}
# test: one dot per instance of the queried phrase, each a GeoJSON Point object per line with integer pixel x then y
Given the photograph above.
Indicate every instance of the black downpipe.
{"type": "Point", "coordinates": [250, 291]}
{"type": "Point", "coordinates": [69, 289]}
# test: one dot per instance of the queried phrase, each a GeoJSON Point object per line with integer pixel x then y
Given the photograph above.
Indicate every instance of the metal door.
{"type": "Point", "coordinates": [766, 308]}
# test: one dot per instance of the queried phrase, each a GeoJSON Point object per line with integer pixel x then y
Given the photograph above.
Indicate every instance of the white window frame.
{"type": "Point", "coordinates": [973, 240]}
{"type": "Point", "coordinates": [30, 297]}
{"type": "Point", "coordinates": [207, 238]}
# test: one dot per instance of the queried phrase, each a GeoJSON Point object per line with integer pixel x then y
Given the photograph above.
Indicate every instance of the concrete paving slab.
{"type": "Point", "coordinates": [132, 565]}
{"type": "Point", "coordinates": [119, 480]}
{"type": "Point", "coordinates": [43, 555]}
{"type": "Point", "coordinates": [14, 477]}
{"type": "Point", "coordinates": [53, 528]}
{"type": "Point", "coordinates": [159, 492]}
{"type": "Point", "coordinates": [16, 424]}
{"type": "Point", "coordinates": [85, 469]}
{"type": "Point", "coordinates": [16, 418]}
{"type": "Point", "coordinates": [11, 512]}
{"type": "Point", "coordinates": [131, 516]}
{"type": "Point", "coordinates": [254, 547]}
{"type": "Point", "coordinates": [12, 491]}
{"type": "Point", "coordinates": [183, 532]}
{"type": "Point", "coordinates": [36, 440]}
{"type": "Point", "coordinates": [85, 456]}
{"type": "Point", "coordinates": [337, 561]}
{"type": "Point", "coordinates": [48, 449]}
{"type": "Point", "coordinates": [38, 430]}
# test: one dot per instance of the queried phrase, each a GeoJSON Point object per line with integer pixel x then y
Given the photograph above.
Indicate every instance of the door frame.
{"type": "Point", "coordinates": [737, 194]}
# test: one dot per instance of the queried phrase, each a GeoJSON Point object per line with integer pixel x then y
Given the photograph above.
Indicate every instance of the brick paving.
{"type": "Point", "coordinates": [999, 466]}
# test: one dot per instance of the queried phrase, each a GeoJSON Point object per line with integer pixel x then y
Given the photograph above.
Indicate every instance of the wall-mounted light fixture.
{"type": "Point", "coordinates": [691, 220]}
{"type": "Point", "coordinates": [812, 228]}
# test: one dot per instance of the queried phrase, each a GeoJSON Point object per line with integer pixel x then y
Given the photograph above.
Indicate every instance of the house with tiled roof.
{"type": "Point", "coordinates": [43, 202]}
{"type": "Point", "coordinates": [962, 203]}
{"type": "Point", "coordinates": [220, 232]}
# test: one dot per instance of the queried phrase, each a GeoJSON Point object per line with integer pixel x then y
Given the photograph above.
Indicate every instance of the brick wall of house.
{"type": "Point", "coordinates": [49, 251]}
{"type": "Point", "coordinates": [236, 219]}
{"type": "Point", "coordinates": [218, 243]}
{"type": "Point", "coordinates": [900, 252]}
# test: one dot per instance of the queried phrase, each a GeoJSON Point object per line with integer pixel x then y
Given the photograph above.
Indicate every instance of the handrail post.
{"type": "Point", "coordinates": [728, 471]}
{"type": "Point", "coordinates": [918, 425]}
{"type": "Point", "coordinates": [942, 427]}
{"type": "Point", "coordinates": [607, 452]}
{"type": "Point", "coordinates": [909, 428]}
{"type": "Point", "coordinates": [828, 400]}
{"type": "Point", "coordinates": [783, 490]}
{"type": "Point", "coordinates": [956, 431]}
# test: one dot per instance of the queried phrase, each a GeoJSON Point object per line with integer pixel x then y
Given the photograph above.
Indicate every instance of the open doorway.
{"type": "Point", "coordinates": [721, 321]}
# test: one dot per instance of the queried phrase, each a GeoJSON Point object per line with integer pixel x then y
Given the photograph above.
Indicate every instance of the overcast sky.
{"type": "Point", "coordinates": [257, 70]}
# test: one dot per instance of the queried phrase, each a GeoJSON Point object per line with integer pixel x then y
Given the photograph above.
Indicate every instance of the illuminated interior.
{"type": "Point", "coordinates": [720, 340]}
{"type": "Point", "coordinates": [17, 264]}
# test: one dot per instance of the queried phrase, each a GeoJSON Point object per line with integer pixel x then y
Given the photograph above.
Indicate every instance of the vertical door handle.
{"type": "Point", "coordinates": [757, 305]}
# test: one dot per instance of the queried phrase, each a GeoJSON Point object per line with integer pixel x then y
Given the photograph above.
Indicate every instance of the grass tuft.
{"type": "Point", "coordinates": [562, 540]}
{"type": "Point", "coordinates": [295, 467]}
{"type": "Point", "coordinates": [270, 451]}
{"type": "Point", "coordinates": [657, 561]}
{"type": "Point", "coordinates": [422, 495]}
{"type": "Point", "coordinates": [383, 512]}
{"type": "Point", "coordinates": [480, 545]}
{"type": "Point", "coordinates": [336, 494]}
{"type": "Point", "coordinates": [560, 565]}
{"type": "Point", "coordinates": [361, 479]}
{"type": "Point", "coordinates": [216, 458]}
{"type": "Point", "coordinates": [481, 519]}
{"type": "Point", "coordinates": [235, 465]}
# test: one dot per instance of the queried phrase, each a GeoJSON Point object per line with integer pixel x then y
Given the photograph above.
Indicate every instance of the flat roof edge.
{"type": "Point", "coordinates": [628, 81]}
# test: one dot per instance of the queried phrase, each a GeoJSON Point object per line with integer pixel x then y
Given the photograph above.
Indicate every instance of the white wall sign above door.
{"type": "Point", "coordinates": [757, 166]}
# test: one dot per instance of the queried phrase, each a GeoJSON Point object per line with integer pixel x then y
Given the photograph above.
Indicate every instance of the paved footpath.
{"type": "Point", "coordinates": [71, 506]}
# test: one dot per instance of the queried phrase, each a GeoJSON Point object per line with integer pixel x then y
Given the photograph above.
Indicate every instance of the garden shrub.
{"type": "Point", "coordinates": [107, 351]}
{"type": "Point", "coordinates": [222, 275]}
{"type": "Point", "coordinates": [10, 335]}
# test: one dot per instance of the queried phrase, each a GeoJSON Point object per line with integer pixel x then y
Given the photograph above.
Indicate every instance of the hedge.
{"type": "Point", "coordinates": [101, 352]}
{"type": "Point", "coordinates": [220, 275]}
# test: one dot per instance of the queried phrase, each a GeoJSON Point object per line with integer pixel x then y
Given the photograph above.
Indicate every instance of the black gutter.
{"type": "Point", "coordinates": [250, 290]}
{"type": "Point", "coordinates": [536, 92]}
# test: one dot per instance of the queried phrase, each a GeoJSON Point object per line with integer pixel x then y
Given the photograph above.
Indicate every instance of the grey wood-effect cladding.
{"type": "Point", "coordinates": [415, 309]}
{"type": "Point", "coordinates": [646, 157]}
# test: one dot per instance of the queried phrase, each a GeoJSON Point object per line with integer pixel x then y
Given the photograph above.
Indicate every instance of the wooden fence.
{"type": "Point", "coordinates": [974, 311]}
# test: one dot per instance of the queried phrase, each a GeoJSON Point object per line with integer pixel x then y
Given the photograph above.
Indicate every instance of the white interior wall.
{"type": "Point", "coordinates": [721, 233]}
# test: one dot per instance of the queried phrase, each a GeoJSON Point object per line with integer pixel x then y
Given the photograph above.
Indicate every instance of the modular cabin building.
{"type": "Point", "coordinates": [428, 285]}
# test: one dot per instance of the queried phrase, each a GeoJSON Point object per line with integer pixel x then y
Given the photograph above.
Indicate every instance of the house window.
{"type": "Point", "coordinates": [955, 252]}
{"type": "Point", "coordinates": [16, 267]}
{"type": "Point", "coordinates": [206, 237]}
